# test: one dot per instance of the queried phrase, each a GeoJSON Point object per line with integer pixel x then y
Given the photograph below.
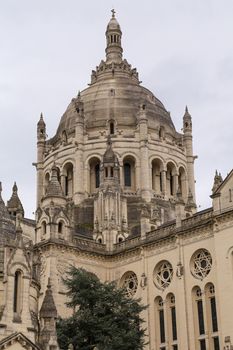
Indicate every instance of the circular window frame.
{"type": "Point", "coordinates": [129, 277]}
{"type": "Point", "coordinates": [197, 270]}
{"type": "Point", "coordinates": [162, 281]}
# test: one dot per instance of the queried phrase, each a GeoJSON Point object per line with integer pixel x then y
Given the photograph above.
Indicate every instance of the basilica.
{"type": "Point", "coordinates": [116, 196]}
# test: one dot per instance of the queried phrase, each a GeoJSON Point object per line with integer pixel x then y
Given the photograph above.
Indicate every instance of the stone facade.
{"type": "Point", "coordinates": [116, 196]}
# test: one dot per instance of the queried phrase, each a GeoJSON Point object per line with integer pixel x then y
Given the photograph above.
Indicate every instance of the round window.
{"type": "Point", "coordinates": [129, 282]}
{"type": "Point", "coordinates": [163, 274]}
{"type": "Point", "coordinates": [201, 263]}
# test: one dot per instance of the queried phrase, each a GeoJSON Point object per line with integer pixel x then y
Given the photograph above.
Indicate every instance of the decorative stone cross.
{"type": "Point", "coordinates": [113, 13]}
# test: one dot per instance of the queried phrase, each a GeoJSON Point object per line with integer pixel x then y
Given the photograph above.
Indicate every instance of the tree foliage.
{"type": "Point", "coordinates": [103, 316]}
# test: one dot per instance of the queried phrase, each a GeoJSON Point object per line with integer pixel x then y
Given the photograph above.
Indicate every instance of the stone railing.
{"type": "Point", "coordinates": [88, 244]}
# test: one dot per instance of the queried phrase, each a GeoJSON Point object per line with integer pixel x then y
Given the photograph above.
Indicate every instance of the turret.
{"type": "Point", "coordinates": [41, 137]}
{"type": "Point", "coordinates": [113, 38]}
{"type": "Point", "coordinates": [188, 143]}
{"type": "Point", "coordinates": [109, 170]}
{"type": "Point", "coordinates": [110, 206]}
{"type": "Point", "coordinates": [14, 205]}
{"type": "Point", "coordinates": [41, 129]}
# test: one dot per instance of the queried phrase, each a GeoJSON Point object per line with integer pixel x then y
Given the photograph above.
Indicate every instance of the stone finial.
{"type": "Point", "coordinates": [41, 120]}
{"type": "Point", "coordinates": [113, 13]}
{"type": "Point", "coordinates": [187, 114]}
{"type": "Point", "coordinates": [217, 181]}
{"type": "Point", "coordinates": [15, 188]}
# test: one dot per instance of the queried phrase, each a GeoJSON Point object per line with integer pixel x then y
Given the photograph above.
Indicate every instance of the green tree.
{"type": "Point", "coordinates": [103, 316]}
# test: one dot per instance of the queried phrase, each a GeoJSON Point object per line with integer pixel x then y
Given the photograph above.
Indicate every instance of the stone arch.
{"type": "Point", "coordinates": [68, 178]}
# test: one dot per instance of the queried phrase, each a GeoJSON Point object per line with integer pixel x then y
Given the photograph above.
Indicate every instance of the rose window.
{"type": "Point", "coordinates": [129, 283]}
{"type": "Point", "coordinates": [201, 263]}
{"type": "Point", "coordinates": [163, 274]}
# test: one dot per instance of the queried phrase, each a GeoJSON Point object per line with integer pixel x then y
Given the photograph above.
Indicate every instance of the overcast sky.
{"type": "Point", "coordinates": [183, 50]}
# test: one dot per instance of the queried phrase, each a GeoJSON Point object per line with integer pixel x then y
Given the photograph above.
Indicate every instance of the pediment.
{"type": "Point", "coordinates": [17, 341]}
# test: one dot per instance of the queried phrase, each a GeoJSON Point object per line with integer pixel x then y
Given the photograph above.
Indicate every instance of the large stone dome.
{"type": "Point", "coordinates": [115, 93]}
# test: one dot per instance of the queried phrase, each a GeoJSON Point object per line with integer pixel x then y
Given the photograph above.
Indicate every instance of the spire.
{"type": "Point", "coordinates": [187, 121]}
{"type": "Point", "coordinates": [48, 308]}
{"type": "Point", "coordinates": [14, 204]}
{"type": "Point", "coordinates": [113, 38]}
{"type": "Point", "coordinates": [54, 186]}
{"type": "Point", "coordinates": [41, 128]}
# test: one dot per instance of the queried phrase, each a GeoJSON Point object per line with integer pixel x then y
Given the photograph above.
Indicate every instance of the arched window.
{"type": "Point", "coordinates": [68, 173]}
{"type": "Point", "coordinates": [182, 182]}
{"type": "Point", "coordinates": [199, 318]}
{"type": "Point", "coordinates": [171, 185]}
{"type": "Point", "coordinates": [94, 164]}
{"type": "Point", "coordinates": [111, 127]}
{"type": "Point", "coordinates": [97, 175]}
{"type": "Point", "coordinates": [157, 167]}
{"type": "Point", "coordinates": [212, 318]}
{"type": "Point", "coordinates": [60, 227]}
{"type": "Point", "coordinates": [161, 333]}
{"type": "Point", "coordinates": [127, 174]}
{"type": "Point", "coordinates": [171, 317]}
{"type": "Point", "coordinates": [44, 228]}
{"type": "Point", "coordinates": [18, 285]}
{"type": "Point", "coordinates": [46, 182]}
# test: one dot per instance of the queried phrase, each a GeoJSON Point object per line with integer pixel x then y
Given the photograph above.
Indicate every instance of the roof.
{"type": "Point", "coordinates": [48, 308]}
{"type": "Point", "coordinates": [7, 227]}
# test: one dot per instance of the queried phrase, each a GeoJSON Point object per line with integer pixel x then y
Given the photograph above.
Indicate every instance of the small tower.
{"type": "Point", "coordinates": [113, 37]}
{"type": "Point", "coordinates": [41, 137]}
{"type": "Point", "coordinates": [48, 316]}
{"type": "Point", "coordinates": [14, 205]}
{"type": "Point", "coordinates": [110, 206]}
{"type": "Point", "coordinates": [188, 143]}
{"type": "Point", "coordinates": [53, 208]}
{"type": "Point", "coordinates": [110, 170]}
